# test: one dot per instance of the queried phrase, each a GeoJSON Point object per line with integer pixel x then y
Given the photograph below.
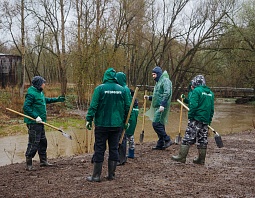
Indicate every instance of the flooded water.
{"type": "Point", "coordinates": [228, 118]}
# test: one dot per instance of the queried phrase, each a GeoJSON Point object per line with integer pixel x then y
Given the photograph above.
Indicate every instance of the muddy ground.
{"type": "Point", "coordinates": [228, 172]}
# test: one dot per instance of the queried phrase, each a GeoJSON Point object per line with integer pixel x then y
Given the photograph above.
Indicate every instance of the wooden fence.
{"type": "Point", "coordinates": [223, 92]}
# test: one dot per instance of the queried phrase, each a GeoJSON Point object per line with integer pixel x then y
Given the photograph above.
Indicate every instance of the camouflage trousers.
{"type": "Point", "coordinates": [130, 141]}
{"type": "Point", "coordinates": [196, 133]}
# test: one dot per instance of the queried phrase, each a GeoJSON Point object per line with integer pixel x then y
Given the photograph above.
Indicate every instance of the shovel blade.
{"type": "Point", "coordinates": [218, 141]}
{"type": "Point", "coordinates": [122, 154]}
{"type": "Point", "coordinates": [141, 137]}
{"type": "Point", "coordinates": [178, 139]}
{"type": "Point", "coordinates": [67, 136]}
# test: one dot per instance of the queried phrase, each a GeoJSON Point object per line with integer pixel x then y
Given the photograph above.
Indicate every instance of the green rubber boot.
{"type": "Point", "coordinates": [181, 157]}
{"type": "Point", "coordinates": [201, 157]}
{"type": "Point", "coordinates": [96, 173]}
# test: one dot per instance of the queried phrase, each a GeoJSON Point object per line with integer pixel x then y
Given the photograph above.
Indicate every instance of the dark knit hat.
{"type": "Point", "coordinates": [199, 80]}
{"type": "Point", "coordinates": [37, 82]}
{"type": "Point", "coordinates": [157, 70]}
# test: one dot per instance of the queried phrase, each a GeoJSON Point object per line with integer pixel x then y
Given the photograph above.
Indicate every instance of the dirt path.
{"type": "Point", "coordinates": [228, 172]}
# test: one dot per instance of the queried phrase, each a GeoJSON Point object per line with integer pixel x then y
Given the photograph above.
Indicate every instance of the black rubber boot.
{"type": "Point", "coordinates": [184, 149]}
{"type": "Point", "coordinates": [111, 169]}
{"type": "Point", "coordinates": [44, 161]}
{"type": "Point", "coordinates": [201, 156]}
{"type": "Point", "coordinates": [96, 173]}
{"type": "Point", "coordinates": [29, 164]}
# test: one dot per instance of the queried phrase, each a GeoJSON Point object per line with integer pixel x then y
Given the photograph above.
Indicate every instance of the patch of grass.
{"type": "Point", "coordinates": [17, 127]}
{"type": "Point", "coordinates": [67, 122]}
{"type": "Point", "coordinates": [12, 129]}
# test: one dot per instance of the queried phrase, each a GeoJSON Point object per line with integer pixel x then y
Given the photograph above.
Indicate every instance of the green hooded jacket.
{"type": "Point", "coordinates": [121, 78]}
{"type": "Point", "coordinates": [162, 95]}
{"type": "Point", "coordinates": [109, 105]}
{"type": "Point", "coordinates": [35, 105]}
{"type": "Point", "coordinates": [201, 104]}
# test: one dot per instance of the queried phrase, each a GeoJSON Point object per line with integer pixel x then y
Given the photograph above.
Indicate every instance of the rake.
{"type": "Point", "coordinates": [58, 129]}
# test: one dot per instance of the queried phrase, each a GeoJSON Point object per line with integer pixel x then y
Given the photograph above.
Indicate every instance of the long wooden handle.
{"type": "Point", "coordinates": [180, 123]}
{"type": "Point", "coordinates": [144, 110]}
{"type": "Point", "coordinates": [32, 118]}
{"type": "Point", "coordinates": [188, 110]}
{"type": "Point", "coordinates": [129, 113]}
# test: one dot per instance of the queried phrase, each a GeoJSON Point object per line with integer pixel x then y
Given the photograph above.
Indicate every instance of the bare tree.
{"type": "Point", "coordinates": [47, 12]}
{"type": "Point", "coordinates": [23, 47]}
{"type": "Point", "coordinates": [184, 34]}
{"type": "Point", "coordinates": [13, 13]}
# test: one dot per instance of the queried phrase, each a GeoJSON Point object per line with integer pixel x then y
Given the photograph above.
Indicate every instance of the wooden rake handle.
{"type": "Point", "coordinates": [144, 110]}
{"type": "Point", "coordinates": [180, 123]}
{"type": "Point", "coordinates": [129, 113]}
{"type": "Point", "coordinates": [33, 119]}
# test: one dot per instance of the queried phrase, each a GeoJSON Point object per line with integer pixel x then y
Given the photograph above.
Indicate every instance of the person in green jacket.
{"type": "Point", "coordinates": [160, 107]}
{"type": "Point", "coordinates": [129, 133]}
{"type": "Point", "coordinates": [35, 107]}
{"type": "Point", "coordinates": [122, 80]}
{"type": "Point", "coordinates": [201, 110]}
{"type": "Point", "coordinates": [131, 129]}
{"type": "Point", "coordinates": [108, 109]}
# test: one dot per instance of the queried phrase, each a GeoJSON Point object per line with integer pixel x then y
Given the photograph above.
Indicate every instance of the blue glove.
{"type": "Point", "coordinates": [126, 126]}
{"type": "Point", "coordinates": [182, 96]}
{"type": "Point", "coordinates": [89, 125]}
{"type": "Point", "coordinates": [61, 99]}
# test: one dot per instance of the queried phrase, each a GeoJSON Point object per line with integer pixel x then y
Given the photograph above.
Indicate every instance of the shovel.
{"type": "Point", "coordinates": [217, 136]}
{"type": "Point", "coordinates": [178, 138]}
{"type": "Point", "coordinates": [63, 133]}
{"type": "Point", "coordinates": [144, 110]}
{"type": "Point", "coordinates": [122, 148]}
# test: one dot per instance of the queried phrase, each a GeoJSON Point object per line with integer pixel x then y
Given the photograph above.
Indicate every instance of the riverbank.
{"type": "Point", "coordinates": [229, 118]}
{"type": "Point", "coordinates": [228, 172]}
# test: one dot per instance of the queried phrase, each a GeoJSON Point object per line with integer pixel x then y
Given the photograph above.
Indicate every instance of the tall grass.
{"type": "Point", "coordinates": [11, 123]}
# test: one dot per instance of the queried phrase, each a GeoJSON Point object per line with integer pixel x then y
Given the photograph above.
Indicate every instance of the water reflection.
{"type": "Point", "coordinates": [229, 118]}
{"type": "Point", "coordinates": [12, 148]}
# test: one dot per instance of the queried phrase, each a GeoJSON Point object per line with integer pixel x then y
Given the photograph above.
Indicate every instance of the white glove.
{"type": "Point", "coordinates": [38, 119]}
{"type": "Point", "coordinates": [146, 97]}
{"type": "Point", "coordinates": [161, 109]}
{"type": "Point", "coordinates": [89, 125]}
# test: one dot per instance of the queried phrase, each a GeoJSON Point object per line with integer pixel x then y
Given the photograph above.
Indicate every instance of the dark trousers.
{"type": "Point", "coordinates": [36, 140]}
{"type": "Point", "coordinates": [161, 132]}
{"type": "Point", "coordinates": [102, 135]}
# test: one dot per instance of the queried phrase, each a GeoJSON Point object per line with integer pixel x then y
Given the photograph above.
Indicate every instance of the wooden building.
{"type": "Point", "coordinates": [10, 70]}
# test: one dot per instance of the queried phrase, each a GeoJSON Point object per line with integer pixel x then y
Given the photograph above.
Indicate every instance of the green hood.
{"type": "Point", "coordinates": [110, 75]}
{"type": "Point", "coordinates": [121, 78]}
